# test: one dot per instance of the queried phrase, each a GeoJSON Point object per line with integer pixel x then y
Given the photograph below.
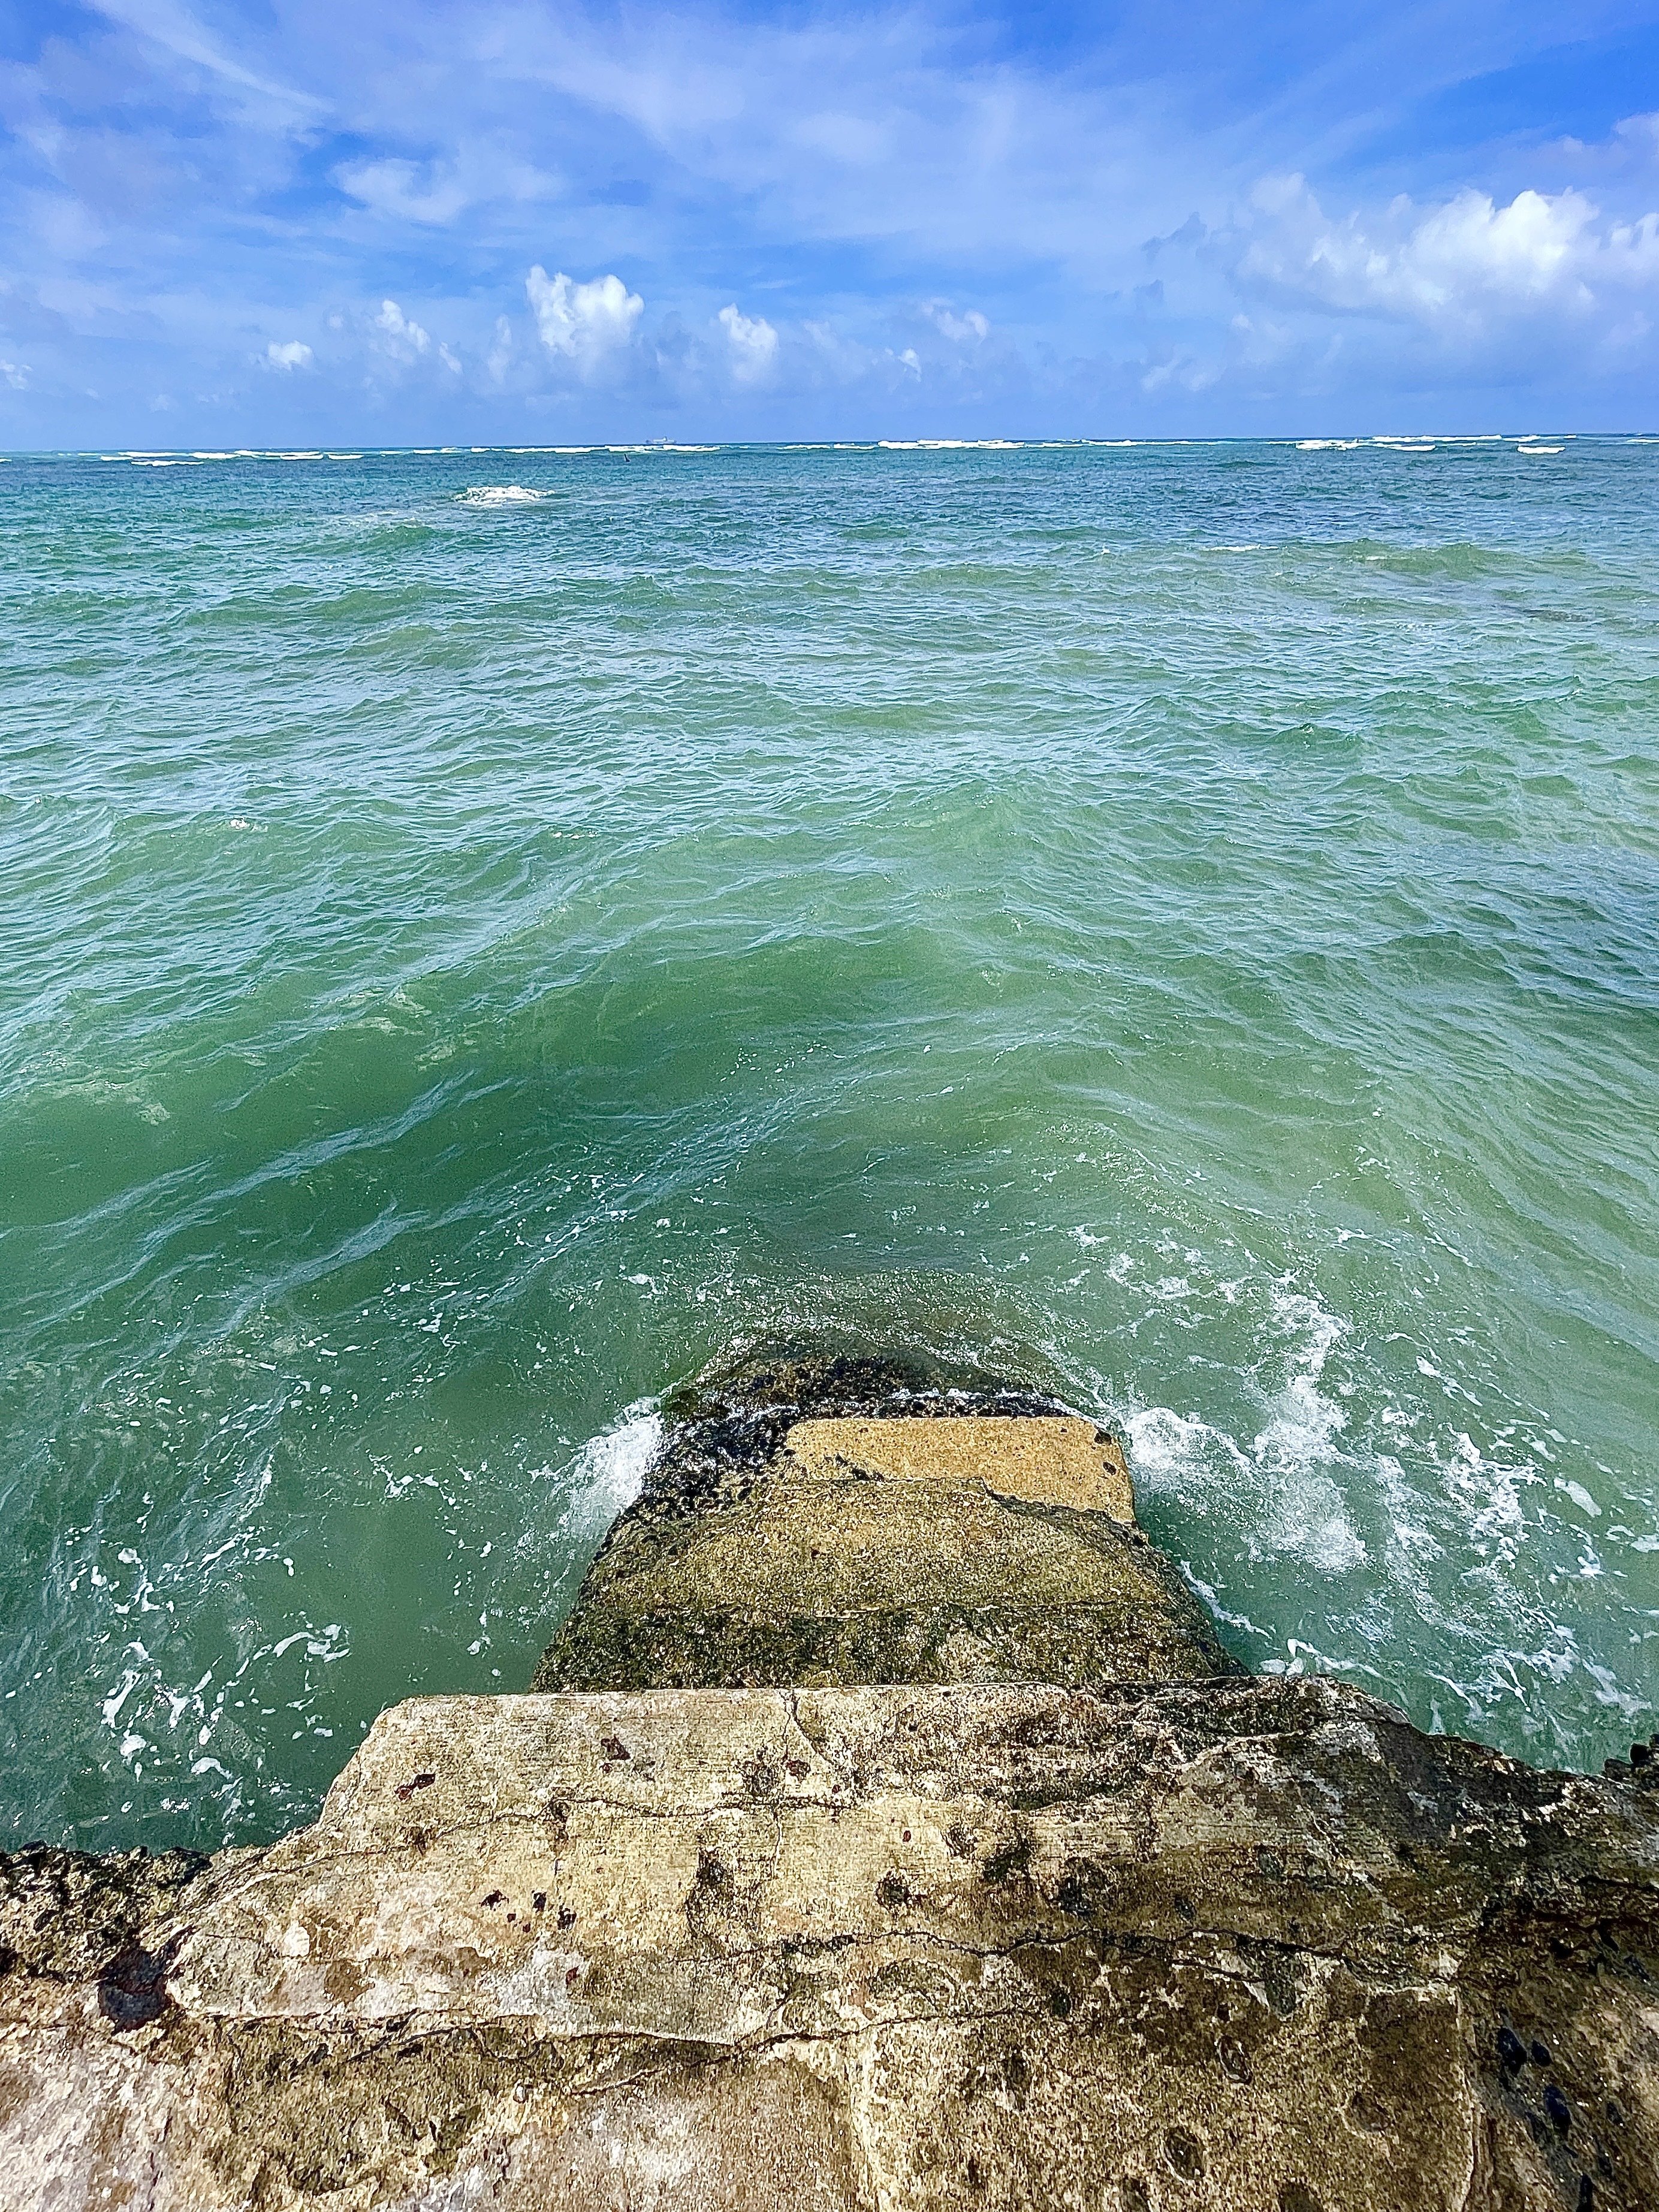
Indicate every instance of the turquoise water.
{"type": "Point", "coordinates": [1177, 924]}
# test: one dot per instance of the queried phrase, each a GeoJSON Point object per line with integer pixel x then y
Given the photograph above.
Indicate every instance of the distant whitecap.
{"type": "Point", "coordinates": [500, 496]}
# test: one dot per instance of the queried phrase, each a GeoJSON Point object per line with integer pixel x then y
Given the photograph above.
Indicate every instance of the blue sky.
{"type": "Point", "coordinates": [294, 222]}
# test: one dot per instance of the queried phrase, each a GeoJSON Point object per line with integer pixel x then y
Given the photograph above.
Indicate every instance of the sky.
{"type": "Point", "coordinates": [504, 221]}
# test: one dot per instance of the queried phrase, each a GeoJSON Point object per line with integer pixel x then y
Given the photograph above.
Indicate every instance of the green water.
{"type": "Point", "coordinates": [1177, 925]}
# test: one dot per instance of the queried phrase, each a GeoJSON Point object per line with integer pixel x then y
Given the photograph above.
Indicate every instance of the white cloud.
{"type": "Point", "coordinates": [961, 329]}
{"type": "Point", "coordinates": [586, 323]}
{"type": "Point", "coordinates": [398, 334]}
{"type": "Point", "coordinates": [407, 190]}
{"type": "Point", "coordinates": [1458, 266]}
{"type": "Point", "coordinates": [854, 139]}
{"type": "Point", "coordinates": [754, 344]}
{"type": "Point", "coordinates": [449, 360]}
{"type": "Point", "coordinates": [434, 193]}
{"type": "Point", "coordinates": [1181, 372]}
{"type": "Point", "coordinates": [1632, 144]}
{"type": "Point", "coordinates": [176, 30]}
{"type": "Point", "coordinates": [946, 172]}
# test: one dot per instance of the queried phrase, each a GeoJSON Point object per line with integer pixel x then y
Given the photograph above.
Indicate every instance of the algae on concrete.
{"type": "Point", "coordinates": [1146, 1937]}
{"type": "Point", "coordinates": [1251, 1947]}
{"type": "Point", "coordinates": [968, 1539]}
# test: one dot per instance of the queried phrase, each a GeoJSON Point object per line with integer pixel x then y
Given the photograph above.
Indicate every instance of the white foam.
{"type": "Point", "coordinates": [500, 496]}
{"type": "Point", "coordinates": [1299, 1445]}
{"type": "Point", "coordinates": [607, 1474]}
{"type": "Point", "coordinates": [948, 446]}
{"type": "Point", "coordinates": [1289, 1468]}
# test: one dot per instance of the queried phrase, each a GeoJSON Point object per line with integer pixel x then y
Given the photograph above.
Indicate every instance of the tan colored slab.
{"type": "Point", "coordinates": [1058, 1461]}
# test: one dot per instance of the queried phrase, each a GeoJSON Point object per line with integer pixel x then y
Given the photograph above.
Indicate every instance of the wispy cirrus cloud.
{"type": "Point", "coordinates": [179, 33]}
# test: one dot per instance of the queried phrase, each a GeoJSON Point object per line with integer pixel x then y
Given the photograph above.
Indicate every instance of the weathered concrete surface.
{"type": "Point", "coordinates": [974, 1548]}
{"type": "Point", "coordinates": [1058, 1459]}
{"type": "Point", "coordinates": [916, 1930]}
{"type": "Point", "coordinates": [1257, 1946]}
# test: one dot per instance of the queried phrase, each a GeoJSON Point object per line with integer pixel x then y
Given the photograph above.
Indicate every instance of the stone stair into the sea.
{"type": "Point", "coordinates": [973, 1547]}
{"type": "Point", "coordinates": [890, 1830]}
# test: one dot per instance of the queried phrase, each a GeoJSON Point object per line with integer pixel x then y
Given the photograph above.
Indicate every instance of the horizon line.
{"type": "Point", "coordinates": [364, 449]}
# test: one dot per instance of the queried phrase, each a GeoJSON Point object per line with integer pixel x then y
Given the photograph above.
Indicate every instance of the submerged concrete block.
{"type": "Point", "coordinates": [943, 1549]}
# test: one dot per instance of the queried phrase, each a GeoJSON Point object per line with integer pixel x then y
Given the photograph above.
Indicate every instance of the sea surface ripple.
{"type": "Point", "coordinates": [487, 933]}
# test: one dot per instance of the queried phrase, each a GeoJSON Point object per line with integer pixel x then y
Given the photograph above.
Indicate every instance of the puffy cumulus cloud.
{"type": "Point", "coordinates": [1181, 370]}
{"type": "Point", "coordinates": [971, 329]}
{"type": "Point", "coordinates": [753, 343]}
{"type": "Point", "coordinates": [288, 354]}
{"type": "Point", "coordinates": [1631, 147]}
{"type": "Point", "coordinates": [832, 359]}
{"type": "Point", "coordinates": [1457, 267]}
{"type": "Point", "coordinates": [402, 337]}
{"type": "Point", "coordinates": [585, 324]}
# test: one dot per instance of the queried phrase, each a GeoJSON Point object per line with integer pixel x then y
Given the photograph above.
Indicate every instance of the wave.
{"type": "Point", "coordinates": [606, 1477]}
{"type": "Point", "coordinates": [1289, 1469]}
{"type": "Point", "coordinates": [500, 496]}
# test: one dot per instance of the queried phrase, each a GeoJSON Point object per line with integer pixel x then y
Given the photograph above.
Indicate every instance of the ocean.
{"type": "Point", "coordinates": [487, 933]}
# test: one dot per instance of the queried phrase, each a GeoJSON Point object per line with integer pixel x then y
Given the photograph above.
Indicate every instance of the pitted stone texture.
{"type": "Point", "coordinates": [1054, 1461]}
{"type": "Point", "coordinates": [1232, 1946]}
{"type": "Point", "coordinates": [953, 1549]}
